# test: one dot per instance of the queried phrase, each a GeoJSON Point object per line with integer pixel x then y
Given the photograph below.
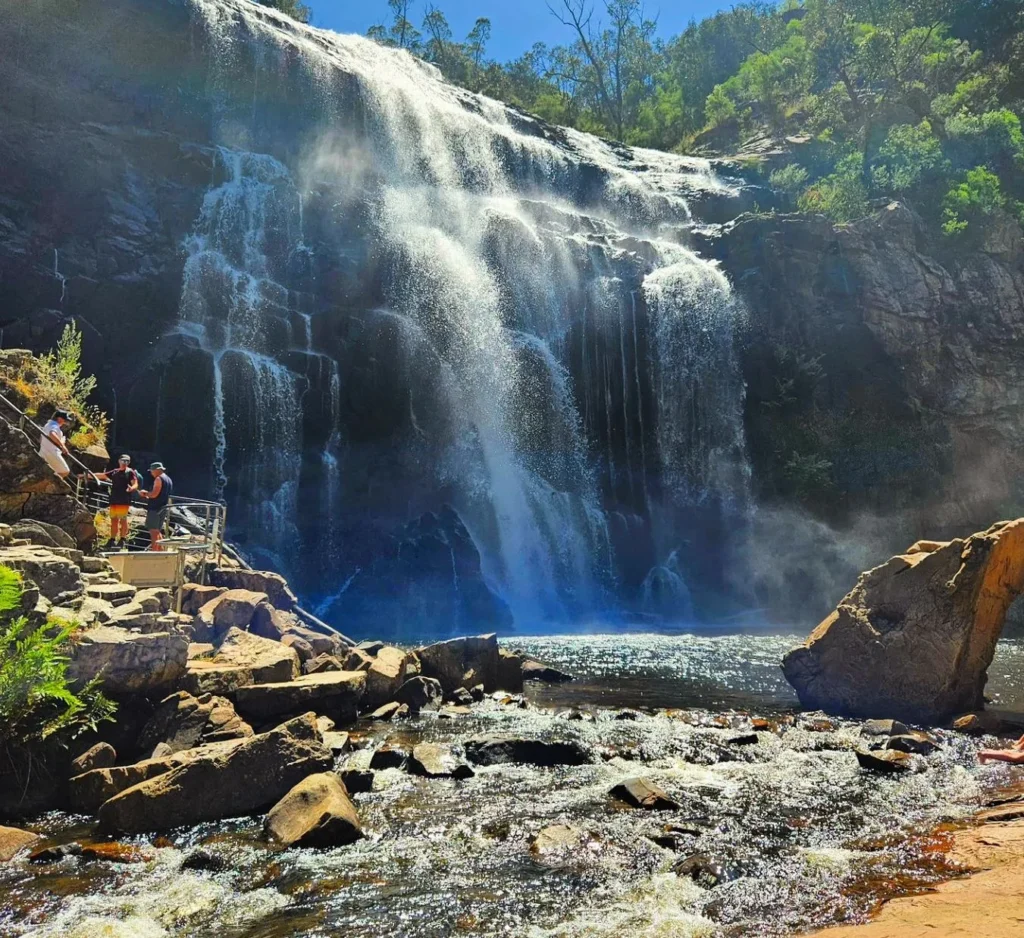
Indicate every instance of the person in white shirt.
{"type": "Point", "coordinates": [52, 445]}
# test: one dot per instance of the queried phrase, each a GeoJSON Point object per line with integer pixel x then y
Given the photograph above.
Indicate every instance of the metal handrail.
{"type": "Point", "coordinates": [24, 418]}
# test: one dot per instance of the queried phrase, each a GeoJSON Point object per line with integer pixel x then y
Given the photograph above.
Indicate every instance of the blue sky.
{"type": "Point", "coordinates": [516, 24]}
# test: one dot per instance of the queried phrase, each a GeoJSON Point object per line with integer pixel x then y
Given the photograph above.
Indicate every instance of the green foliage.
{"type": "Point", "coordinates": [977, 196]}
{"type": "Point", "coordinates": [294, 9]}
{"type": "Point", "coordinates": [842, 195]}
{"type": "Point", "coordinates": [36, 699]}
{"type": "Point", "coordinates": [908, 156]}
{"type": "Point", "coordinates": [720, 107]}
{"type": "Point", "coordinates": [791, 179]}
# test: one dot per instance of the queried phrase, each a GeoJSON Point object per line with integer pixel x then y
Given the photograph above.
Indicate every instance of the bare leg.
{"type": "Point", "coordinates": [155, 537]}
{"type": "Point", "coordinates": [1013, 756]}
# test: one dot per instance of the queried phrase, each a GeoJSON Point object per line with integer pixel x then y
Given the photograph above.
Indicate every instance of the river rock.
{"type": "Point", "coordinates": [269, 662]}
{"type": "Point", "coordinates": [205, 860]}
{"type": "Point", "coordinates": [510, 671]}
{"type": "Point", "coordinates": [317, 812]}
{"type": "Point", "coordinates": [420, 693]}
{"type": "Point", "coordinates": [100, 756]}
{"type": "Point", "coordinates": [918, 743]}
{"type": "Point", "coordinates": [320, 664]}
{"type": "Point", "coordinates": [537, 671]}
{"type": "Point", "coordinates": [556, 841]}
{"type": "Point", "coordinates": [640, 793]}
{"type": "Point", "coordinates": [13, 840]}
{"type": "Point", "coordinates": [704, 870]}
{"type": "Point", "coordinates": [231, 609]}
{"type": "Point", "coordinates": [335, 694]}
{"type": "Point", "coordinates": [433, 761]}
{"type": "Point", "coordinates": [337, 742]}
{"type": "Point", "coordinates": [462, 662]}
{"type": "Point", "coordinates": [391, 711]}
{"type": "Point", "coordinates": [494, 750]}
{"type": "Point", "coordinates": [127, 663]}
{"type": "Point", "coordinates": [887, 761]}
{"type": "Point", "coordinates": [357, 781]}
{"type": "Point", "coordinates": [915, 636]}
{"type": "Point", "coordinates": [388, 756]}
{"type": "Point", "coordinates": [243, 778]}
{"type": "Point", "coordinates": [182, 721]}
{"type": "Point", "coordinates": [883, 728]}
{"type": "Point", "coordinates": [384, 677]}
{"type": "Point", "coordinates": [272, 585]}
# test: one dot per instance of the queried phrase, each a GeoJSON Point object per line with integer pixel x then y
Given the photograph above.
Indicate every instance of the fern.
{"type": "Point", "coordinates": [36, 698]}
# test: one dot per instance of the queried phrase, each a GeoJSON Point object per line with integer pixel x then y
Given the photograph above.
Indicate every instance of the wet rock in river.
{"type": "Point", "coordinates": [744, 739]}
{"type": "Point", "coordinates": [420, 693]}
{"type": "Point", "coordinates": [388, 757]}
{"type": "Point", "coordinates": [241, 778]}
{"type": "Point", "coordinates": [556, 841]}
{"type": "Point", "coordinates": [462, 661]}
{"type": "Point", "coordinates": [913, 742]}
{"type": "Point", "coordinates": [888, 761]}
{"type": "Point", "coordinates": [461, 697]}
{"type": "Point", "coordinates": [13, 840]}
{"type": "Point", "coordinates": [203, 860]}
{"type": "Point", "coordinates": [432, 761]}
{"type": "Point", "coordinates": [100, 756]}
{"type": "Point", "coordinates": [537, 671]}
{"type": "Point", "coordinates": [317, 812]}
{"type": "Point", "coordinates": [510, 671]}
{"type": "Point", "coordinates": [385, 676]}
{"type": "Point", "coordinates": [113, 852]}
{"type": "Point", "coordinates": [628, 714]}
{"type": "Point", "coordinates": [980, 723]}
{"type": "Point", "coordinates": [54, 854]}
{"type": "Point", "coordinates": [704, 870]}
{"type": "Point", "coordinates": [639, 793]}
{"type": "Point", "coordinates": [495, 750]}
{"type": "Point", "coordinates": [883, 728]}
{"type": "Point", "coordinates": [337, 742]}
{"type": "Point", "coordinates": [357, 781]}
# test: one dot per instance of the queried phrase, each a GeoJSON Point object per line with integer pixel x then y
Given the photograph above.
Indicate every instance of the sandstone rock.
{"type": "Point", "coordinates": [116, 853]}
{"type": "Point", "coordinates": [536, 671]}
{"type": "Point", "coordinates": [127, 663]}
{"type": "Point", "coordinates": [42, 533]}
{"type": "Point", "coordinates": [299, 645]}
{"type": "Point", "coordinates": [460, 697]}
{"type": "Point", "coordinates": [337, 742]}
{"type": "Point", "coordinates": [420, 693]}
{"type": "Point", "coordinates": [887, 760]}
{"type": "Point", "coordinates": [916, 635]}
{"type": "Point", "coordinates": [117, 594]}
{"type": "Point", "coordinates": [370, 648]}
{"type": "Point", "coordinates": [272, 585]}
{"type": "Point", "coordinates": [494, 750]}
{"type": "Point", "coordinates": [321, 664]}
{"type": "Point", "coordinates": [334, 694]}
{"type": "Point", "coordinates": [639, 793]}
{"type": "Point", "coordinates": [704, 869]}
{"type": "Point", "coordinates": [920, 744]}
{"type": "Point", "coordinates": [100, 756]}
{"type": "Point", "coordinates": [317, 812]}
{"type": "Point", "coordinates": [451, 662]}
{"type": "Point", "coordinates": [270, 662]}
{"type": "Point", "coordinates": [232, 609]}
{"type": "Point", "coordinates": [385, 676]}
{"type": "Point", "coordinates": [432, 761]}
{"type": "Point", "coordinates": [556, 841]}
{"type": "Point", "coordinates": [205, 676]}
{"type": "Point", "coordinates": [13, 841]}
{"type": "Point", "coordinates": [57, 578]}
{"type": "Point", "coordinates": [391, 711]}
{"type": "Point", "coordinates": [194, 596]}
{"type": "Point", "coordinates": [510, 671]}
{"type": "Point", "coordinates": [182, 721]}
{"type": "Point", "coordinates": [358, 660]}
{"type": "Point", "coordinates": [205, 860]}
{"type": "Point", "coordinates": [981, 723]}
{"type": "Point", "coordinates": [244, 777]}
{"type": "Point", "coordinates": [155, 599]}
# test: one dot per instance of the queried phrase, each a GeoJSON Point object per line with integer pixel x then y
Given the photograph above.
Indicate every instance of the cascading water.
{"type": "Point", "coordinates": [562, 334]}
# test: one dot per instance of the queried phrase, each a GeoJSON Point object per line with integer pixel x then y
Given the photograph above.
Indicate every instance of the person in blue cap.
{"type": "Point", "coordinates": [158, 498]}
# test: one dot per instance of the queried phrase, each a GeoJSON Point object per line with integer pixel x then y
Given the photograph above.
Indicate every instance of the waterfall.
{"type": "Point", "coordinates": [549, 329]}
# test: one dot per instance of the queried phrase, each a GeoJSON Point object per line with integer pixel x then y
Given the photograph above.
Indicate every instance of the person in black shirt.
{"type": "Point", "coordinates": [124, 482]}
{"type": "Point", "coordinates": [159, 498]}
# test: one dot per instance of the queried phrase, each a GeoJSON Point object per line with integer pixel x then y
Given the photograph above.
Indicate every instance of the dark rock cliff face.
{"type": "Point", "coordinates": [326, 286]}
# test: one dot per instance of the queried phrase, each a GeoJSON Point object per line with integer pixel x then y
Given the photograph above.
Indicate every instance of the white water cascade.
{"type": "Point", "coordinates": [543, 274]}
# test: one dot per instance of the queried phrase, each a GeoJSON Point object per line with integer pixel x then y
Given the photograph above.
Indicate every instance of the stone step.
{"type": "Point", "coordinates": [96, 565]}
{"type": "Point", "coordinates": [116, 594]}
{"type": "Point", "coordinates": [103, 576]}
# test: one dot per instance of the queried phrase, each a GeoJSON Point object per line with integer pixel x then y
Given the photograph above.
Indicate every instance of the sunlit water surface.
{"type": "Point", "coordinates": [801, 834]}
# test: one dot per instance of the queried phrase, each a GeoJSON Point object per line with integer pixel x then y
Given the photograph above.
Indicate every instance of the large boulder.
{"type": "Point", "coordinates": [496, 750]}
{"type": "Point", "coordinates": [195, 595]}
{"type": "Point", "coordinates": [385, 675]}
{"type": "Point", "coordinates": [317, 812]}
{"type": "Point", "coordinates": [915, 636]}
{"type": "Point", "coordinates": [273, 585]}
{"type": "Point", "coordinates": [269, 661]}
{"type": "Point", "coordinates": [126, 662]}
{"type": "Point", "coordinates": [182, 721]}
{"type": "Point", "coordinates": [335, 694]}
{"type": "Point", "coordinates": [462, 662]}
{"type": "Point", "coordinates": [231, 609]}
{"type": "Point", "coordinates": [13, 840]}
{"type": "Point", "coordinates": [242, 778]}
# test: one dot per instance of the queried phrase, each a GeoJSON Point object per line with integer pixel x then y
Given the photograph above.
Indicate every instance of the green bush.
{"type": "Point", "coordinates": [843, 196]}
{"type": "Point", "coordinates": [791, 179]}
{"type": "Point", "coordinates": [719, 107]}
{"type": "Point", "coordinates": [908, 156]}
{"type": "Point", "coordinates": [977, 196]}
{"type": "Point", "coordinates": [36, 699]}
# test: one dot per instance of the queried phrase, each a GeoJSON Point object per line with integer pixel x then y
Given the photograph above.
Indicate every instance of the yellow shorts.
{"type": "Point", "coordinates": [119, 511]}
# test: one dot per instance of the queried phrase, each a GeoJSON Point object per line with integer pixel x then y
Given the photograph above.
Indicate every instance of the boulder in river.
{"type": "Point", "coordinates": [915, 636]}
{"type": "Point", "coordinates": [640, 793]}
{"type": "Point", "coordinates": [538, 671]}
{"type": "Point", "coordinates": [462, 662]}
{"type": "Point", "coordinates": [385, 675]}
{"type": "Point", "coordinates": [420, 693]}
{"type": "Point", "coordinates": [333, 693]}
{"type": "Point", "coordinates": [889, 761]}
{"type": "Point", "coordinates": [433, 761]}
{"type": "Point", "coordinates": [13, 840]}
{"type": "Point", "coordinates": [494, 750]}
{"type": "Point", "coordinates": [317, 812]}
{"type": "Point", "coordinates": [239, 779]}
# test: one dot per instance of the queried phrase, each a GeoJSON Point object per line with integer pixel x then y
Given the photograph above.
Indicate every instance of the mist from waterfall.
{"type": "Point", "coordinates": [512, 263]}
